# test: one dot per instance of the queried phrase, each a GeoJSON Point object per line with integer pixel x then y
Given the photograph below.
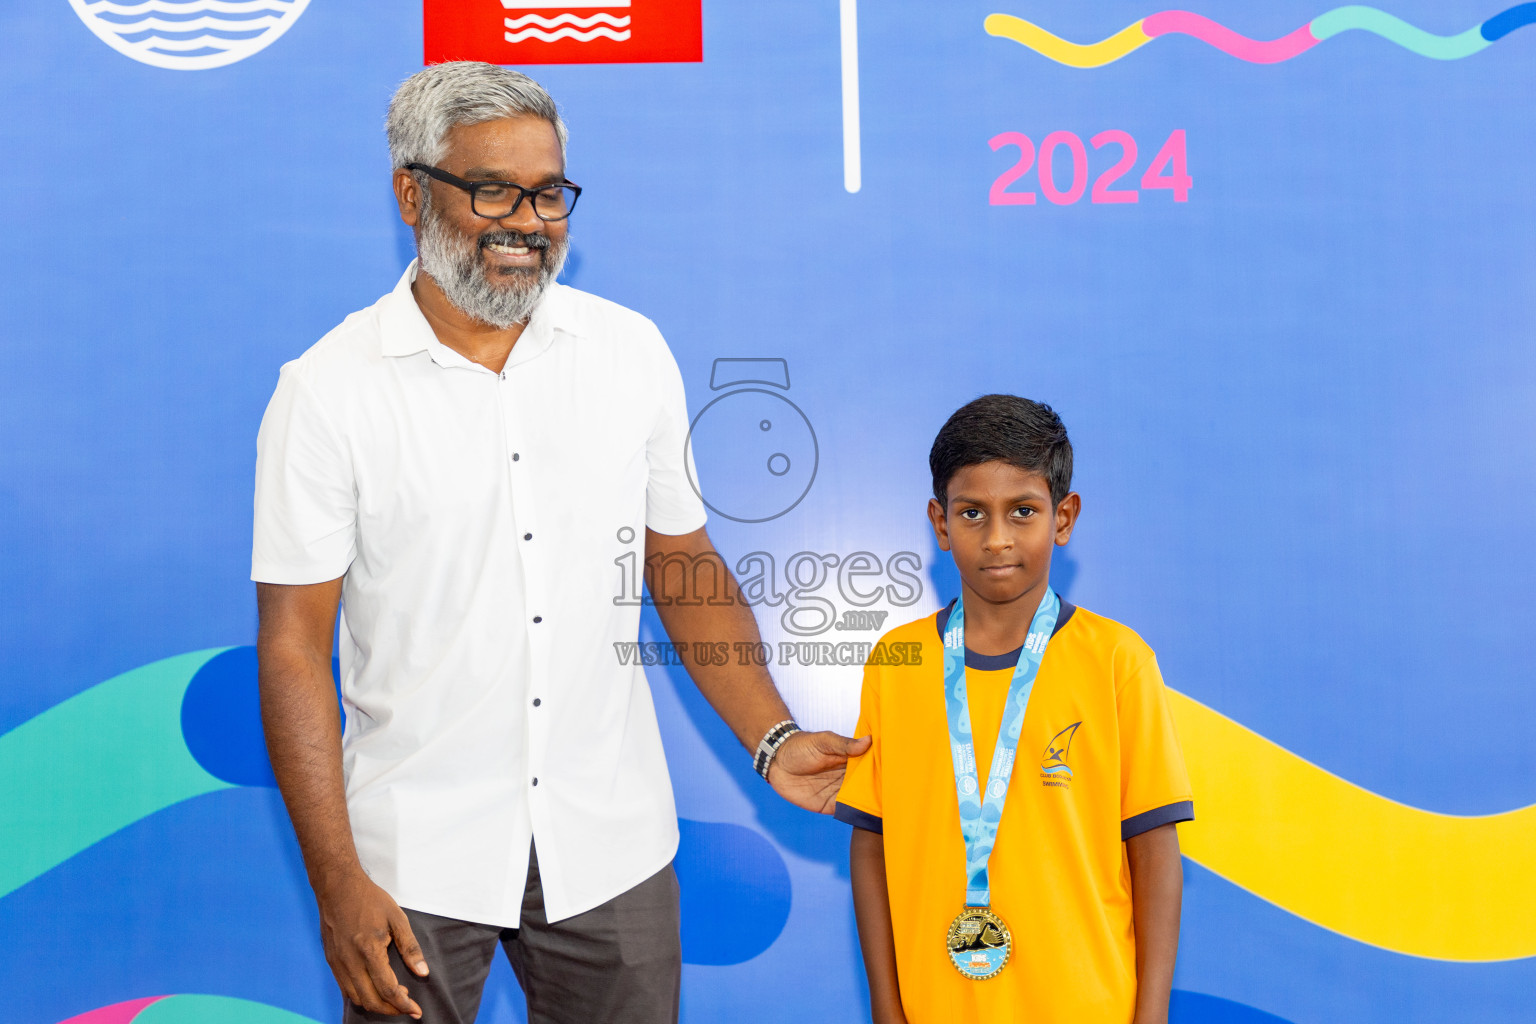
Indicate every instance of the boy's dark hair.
{"type": "Point", "coordinates": [1003, 428]}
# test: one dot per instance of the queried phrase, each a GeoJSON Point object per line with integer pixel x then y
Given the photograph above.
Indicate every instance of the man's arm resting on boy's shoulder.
{"type": "Point", "coordinates": [872, 910]}
{"type": "Point", "coordinates": [701, 607]}
{"type": "Point", "coordinates": [1157, 889]}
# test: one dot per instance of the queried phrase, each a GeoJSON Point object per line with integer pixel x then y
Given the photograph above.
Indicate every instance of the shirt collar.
{"type": "Point", "coordinates": [404, 330]}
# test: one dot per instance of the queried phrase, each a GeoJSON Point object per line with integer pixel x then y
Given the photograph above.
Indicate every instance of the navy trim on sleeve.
{"type": "Point", "coordinates": [1146, 821]}
{"type": "Point", "coordinates": [858, 819]}
{"type": "Point", "coordinates": [995, 662]}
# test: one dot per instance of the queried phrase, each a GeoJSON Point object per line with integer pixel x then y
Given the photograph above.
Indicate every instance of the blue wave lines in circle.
{"type": "Point", "coordinates": [188, 35]}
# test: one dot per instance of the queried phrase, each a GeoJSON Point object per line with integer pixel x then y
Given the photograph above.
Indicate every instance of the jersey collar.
{"type": "Point", "coordinates": [997, 662]}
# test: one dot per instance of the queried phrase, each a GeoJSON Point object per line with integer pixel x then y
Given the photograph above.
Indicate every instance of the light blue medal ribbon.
{"type": "Point", "coordinates": [980, 813]}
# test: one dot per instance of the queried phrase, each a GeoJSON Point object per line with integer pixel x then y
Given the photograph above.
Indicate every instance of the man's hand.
{"type": "Point", "coordinates": [808, 769]}
{"type": "Point", "coordinates": [303, 726]}
{"type": "Point", "coordinates": [357, 922]}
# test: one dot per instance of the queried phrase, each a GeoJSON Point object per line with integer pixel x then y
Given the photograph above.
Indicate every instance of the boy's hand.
{"type": "Point", "coordinates": [808, 769]}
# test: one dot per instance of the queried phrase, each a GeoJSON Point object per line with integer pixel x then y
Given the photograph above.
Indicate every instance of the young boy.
{"type": "Point", "coordinates": [1046, 887]}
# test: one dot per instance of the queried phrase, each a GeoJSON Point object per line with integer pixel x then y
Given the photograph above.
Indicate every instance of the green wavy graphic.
{"type": "Point", "coordinates": [96, 763]}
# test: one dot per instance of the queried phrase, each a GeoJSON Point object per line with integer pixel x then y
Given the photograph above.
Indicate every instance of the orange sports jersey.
{"type": "Point", "coordinates": [1098, 762]}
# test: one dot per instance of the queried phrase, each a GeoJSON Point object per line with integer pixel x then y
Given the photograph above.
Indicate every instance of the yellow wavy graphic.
{"type": "Point", "coordinates": [1412, 881]}
{"type": "Point", "coordinates": [1077, 55]}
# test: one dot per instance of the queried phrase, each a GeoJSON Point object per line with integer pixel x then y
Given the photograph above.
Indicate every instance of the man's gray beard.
{"type": "Point", "coordinates": [455, 263]}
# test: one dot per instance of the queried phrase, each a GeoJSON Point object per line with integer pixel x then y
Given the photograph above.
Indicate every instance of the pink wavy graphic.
{"type": "Point", "coordinates": [118, 1013]}
{"type": "Point", "coordinates": [1258, 51]}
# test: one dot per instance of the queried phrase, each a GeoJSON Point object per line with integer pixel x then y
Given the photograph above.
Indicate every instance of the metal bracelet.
{"type": "Point", "coordinates": [770, 744]}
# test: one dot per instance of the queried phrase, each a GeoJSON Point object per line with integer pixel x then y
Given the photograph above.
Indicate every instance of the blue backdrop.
{"type": "Point", "coordinates": [1302, 401]}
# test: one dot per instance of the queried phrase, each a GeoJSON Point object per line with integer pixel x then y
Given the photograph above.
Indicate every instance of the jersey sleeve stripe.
{"type": "Point", "coordinates": [1146, 821]}
{"type": "Point", "coordinates": [858, 819]}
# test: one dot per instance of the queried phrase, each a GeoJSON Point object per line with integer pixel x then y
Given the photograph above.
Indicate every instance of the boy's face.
{"type": "Point", "coordinates": [1000, 527]}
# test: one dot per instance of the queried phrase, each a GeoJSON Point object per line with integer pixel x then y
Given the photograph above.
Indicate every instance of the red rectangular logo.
{"type": "Point", "coordinates": [556, 32]}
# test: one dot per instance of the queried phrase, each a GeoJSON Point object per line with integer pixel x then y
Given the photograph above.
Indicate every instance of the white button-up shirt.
{"type": "Point", "coordinates": [489, 527]}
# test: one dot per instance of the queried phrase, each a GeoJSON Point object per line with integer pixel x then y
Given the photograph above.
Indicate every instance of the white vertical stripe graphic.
{"type": "Point", "coordinates": [853, 173]}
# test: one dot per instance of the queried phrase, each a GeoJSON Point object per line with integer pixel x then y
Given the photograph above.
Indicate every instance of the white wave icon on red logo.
{"type": "Point", "coordinates": [567, 26]}
{"type": "Point", "coordinates": [563, 32]}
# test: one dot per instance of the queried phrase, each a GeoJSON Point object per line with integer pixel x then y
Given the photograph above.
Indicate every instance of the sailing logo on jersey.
{"type": "Point", "coordinates": [561, 32]}
{"type": "Point", "coordinates": [1054, 770]}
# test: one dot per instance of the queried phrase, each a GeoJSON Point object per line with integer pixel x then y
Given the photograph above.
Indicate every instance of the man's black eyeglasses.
{"type": "Point", "coordinates": [494, 200]}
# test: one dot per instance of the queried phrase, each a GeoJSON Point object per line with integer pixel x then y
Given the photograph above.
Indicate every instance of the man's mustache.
{"type": "Point", "coordinates": [514, 239]}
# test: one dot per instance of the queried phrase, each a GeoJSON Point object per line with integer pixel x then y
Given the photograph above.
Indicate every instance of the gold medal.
{"type": "Point", "coordinates": [979, 943]}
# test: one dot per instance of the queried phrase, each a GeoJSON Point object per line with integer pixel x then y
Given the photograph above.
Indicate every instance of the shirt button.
{"type": "Point", "coordinates": [535, 782]}
{"type": "Point", "coordinates": [538, 618]}
{"type": "Point", "coordinates": [536, 702]}
{"type": "Point", "coordinates": [515, 456]}
{"type": "Point", "coordinates": [527, 536]}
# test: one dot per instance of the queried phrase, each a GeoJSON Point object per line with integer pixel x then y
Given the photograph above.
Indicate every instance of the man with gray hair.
{"type": "Point", "coordinates": [458, 468]}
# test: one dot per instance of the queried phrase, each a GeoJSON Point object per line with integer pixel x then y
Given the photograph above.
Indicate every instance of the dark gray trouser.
{"type": "Point", "coordinates": [619, 962]}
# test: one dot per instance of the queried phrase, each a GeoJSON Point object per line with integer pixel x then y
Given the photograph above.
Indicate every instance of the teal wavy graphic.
{"type": "Point", "coordinates": [190, 725]}
{"type": "Point", "coordinates": [1354, 17]}
{"type": "Point", "coordinates": [189, 1009]}
{"type": "Point", "coordinates": [95, 764]}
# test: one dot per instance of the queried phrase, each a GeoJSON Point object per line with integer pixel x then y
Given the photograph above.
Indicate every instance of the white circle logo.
{"type": "Point", "coordinates": [188, 35]}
